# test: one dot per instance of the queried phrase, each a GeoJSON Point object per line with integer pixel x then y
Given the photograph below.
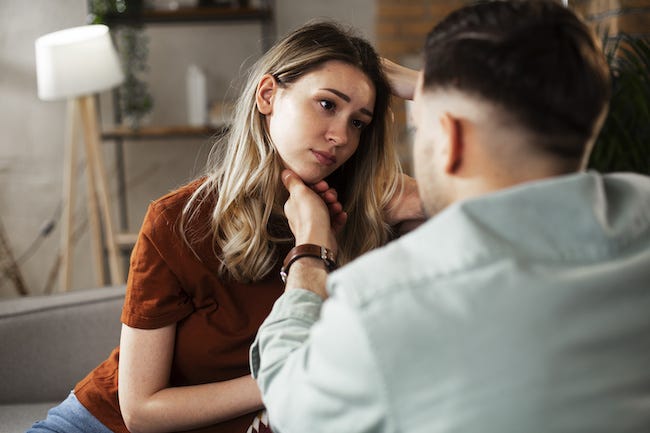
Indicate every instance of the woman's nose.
{"type": "Point", "coordinates": [337, 132]}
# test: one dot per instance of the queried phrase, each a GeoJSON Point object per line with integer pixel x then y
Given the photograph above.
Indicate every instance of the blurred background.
{"type": "Point", "coordinates": [186, 61]}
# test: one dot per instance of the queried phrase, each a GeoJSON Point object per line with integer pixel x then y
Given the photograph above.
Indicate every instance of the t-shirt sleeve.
{"type": "Point", "coordinates": [154, 295]}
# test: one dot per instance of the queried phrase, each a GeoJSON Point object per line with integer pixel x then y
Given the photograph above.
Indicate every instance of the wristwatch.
{"type": "Point", "coordinates": [308, 250]}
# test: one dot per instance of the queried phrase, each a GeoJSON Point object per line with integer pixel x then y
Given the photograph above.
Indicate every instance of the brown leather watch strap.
{"type": "Point", "coordinates": [308, 250]}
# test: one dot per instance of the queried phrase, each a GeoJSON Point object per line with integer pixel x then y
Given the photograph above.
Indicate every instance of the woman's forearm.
{"type": "Point", "coordinates": [189, 407]}
{"type": "Point", "coordinates": [402, 79]}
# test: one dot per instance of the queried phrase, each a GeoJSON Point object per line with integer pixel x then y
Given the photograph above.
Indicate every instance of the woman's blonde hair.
{"type": "Point", "coordinates": [243, 170]}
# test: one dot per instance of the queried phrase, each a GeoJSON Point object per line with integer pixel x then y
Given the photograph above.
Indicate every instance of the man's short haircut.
{"type": "Point", "coordinates": [535, 59]}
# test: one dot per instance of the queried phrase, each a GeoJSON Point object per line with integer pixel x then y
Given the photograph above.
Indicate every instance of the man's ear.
{"type": "Point", "coordinates": [453, 132]}
{"type": "Point", "coordinates": [266, 89]}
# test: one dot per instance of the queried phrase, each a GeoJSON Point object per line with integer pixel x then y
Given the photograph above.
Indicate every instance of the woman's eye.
{"type": "Point", "coordinates": [358, 124]}
{"type": "Point", "coordinates": [327, 105]}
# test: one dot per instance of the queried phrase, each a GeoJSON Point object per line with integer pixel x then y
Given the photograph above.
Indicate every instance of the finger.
{"type": "Point", "coordinates": [335, 208]}
{"type": "Point", "coordinates": [320, 187]}
{"type": "Point", "coordinates": [291, 180]}
{"type": "Point", "coordinates": [329, 196]}
{"type": "Point", "coordinates": [338, 221]}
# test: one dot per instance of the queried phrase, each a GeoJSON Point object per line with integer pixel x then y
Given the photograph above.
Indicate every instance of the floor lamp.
{"type": "Point", "coordinates": [74, 64]}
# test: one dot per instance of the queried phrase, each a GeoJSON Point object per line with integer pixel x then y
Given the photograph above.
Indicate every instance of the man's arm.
{"type": "Point", "coordinates": [315, 368]}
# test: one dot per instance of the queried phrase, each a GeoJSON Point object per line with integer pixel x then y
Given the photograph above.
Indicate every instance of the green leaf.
{"type": "Point", "coordinates": [624, 141]}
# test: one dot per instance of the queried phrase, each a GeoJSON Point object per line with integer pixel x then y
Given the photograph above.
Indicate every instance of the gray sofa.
{"type": "Point", "coordinates": [49, 343]}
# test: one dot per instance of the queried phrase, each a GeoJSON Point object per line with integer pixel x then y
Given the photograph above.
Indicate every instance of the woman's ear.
{"type": "Point", "coordinates": [266, 89]}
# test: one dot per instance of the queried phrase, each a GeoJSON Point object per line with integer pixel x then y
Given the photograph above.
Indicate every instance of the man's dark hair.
{"type": "Point", "coordinates": [535, 59]}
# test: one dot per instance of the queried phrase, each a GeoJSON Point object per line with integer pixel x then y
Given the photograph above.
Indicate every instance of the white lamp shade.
{"type": "Point", "coordinates": [75, 62]}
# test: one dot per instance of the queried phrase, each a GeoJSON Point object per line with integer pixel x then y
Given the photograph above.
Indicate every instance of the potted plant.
{"type": "Point", "coordinates": [134, 99]}
{"type": "Point", "coordinates": [624, 141]}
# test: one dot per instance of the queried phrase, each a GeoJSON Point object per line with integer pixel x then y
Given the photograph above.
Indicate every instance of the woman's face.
{"type": "Point", "coordinates": [316, 122]}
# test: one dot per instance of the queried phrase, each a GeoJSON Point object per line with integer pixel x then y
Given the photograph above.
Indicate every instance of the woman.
{"type": "Point", "coordinates": [204, 272]}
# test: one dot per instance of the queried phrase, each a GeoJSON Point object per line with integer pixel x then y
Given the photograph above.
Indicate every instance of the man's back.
{"type": "Point", "coordinates": [524, 310]}
{"type": "Point", "coordinates": [523, 304]}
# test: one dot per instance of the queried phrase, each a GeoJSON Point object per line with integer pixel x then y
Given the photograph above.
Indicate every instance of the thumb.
{"type": "Point", "coordinates": [291, 180]}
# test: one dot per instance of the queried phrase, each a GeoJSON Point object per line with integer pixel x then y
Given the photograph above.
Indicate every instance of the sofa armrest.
{"type": "Point", "coordinates": [49, 343]}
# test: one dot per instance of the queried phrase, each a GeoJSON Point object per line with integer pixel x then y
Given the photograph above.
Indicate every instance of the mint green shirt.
{"type": "Point", "coordinates": [526, 310]}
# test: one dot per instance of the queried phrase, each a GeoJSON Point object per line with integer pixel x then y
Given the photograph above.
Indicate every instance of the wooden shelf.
{"type": "Point", "coordinates": [163, 132]}
{"type": "Point", "coordinates": [198, 14]}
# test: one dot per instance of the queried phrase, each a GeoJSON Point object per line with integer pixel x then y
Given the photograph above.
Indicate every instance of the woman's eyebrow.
{"type": "Point", "coordinates": [346, 98]}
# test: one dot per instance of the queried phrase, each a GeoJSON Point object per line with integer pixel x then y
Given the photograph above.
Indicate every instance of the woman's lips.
{"type": "Point", "coordinates": [324, 158]}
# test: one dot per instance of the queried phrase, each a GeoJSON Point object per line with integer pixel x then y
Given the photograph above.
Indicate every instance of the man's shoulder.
{"type": "Point", "coordinates": [389, 272]}
{"type": "Point", "coordinates": [597, 214]}
{"type": "Point", "coordinates": [373, 273]}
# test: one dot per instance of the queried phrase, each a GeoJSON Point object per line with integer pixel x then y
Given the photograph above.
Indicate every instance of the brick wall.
{"type": "Point", "coordinates": [629, 16]}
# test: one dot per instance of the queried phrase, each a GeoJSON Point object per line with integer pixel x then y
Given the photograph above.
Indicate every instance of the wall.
{"type": "Point", "coordinates": [32, 131]}
{"type": "Point", "coordinates": [31, 135]}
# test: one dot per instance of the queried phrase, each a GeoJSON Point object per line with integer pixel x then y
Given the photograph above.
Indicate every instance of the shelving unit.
{"type": "Point", "coordinates": [209, 14]}
{"type": "Point", "coordinates": [162, 132]}
{"type": "Point", "coordinates": [122, 134]}
{"type": "Point", "coordinates": [262, 14]}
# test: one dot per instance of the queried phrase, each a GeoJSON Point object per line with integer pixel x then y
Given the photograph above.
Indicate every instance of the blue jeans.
{"type": "Point", "coordinates": [69, 417]}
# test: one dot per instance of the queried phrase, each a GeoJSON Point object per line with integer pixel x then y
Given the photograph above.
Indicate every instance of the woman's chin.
{"type": "Point", "coordinates": [310, 173]}
{"type": "Point", "coordinates": [310, 178]}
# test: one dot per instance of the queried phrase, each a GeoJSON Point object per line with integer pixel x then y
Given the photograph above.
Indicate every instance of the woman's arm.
{"type": "Point", "coordinates": [147, 402]}
{"type": "Point", "coordinates": [402, 79]}
{"type": "Point", "coordinates": [404, 211]}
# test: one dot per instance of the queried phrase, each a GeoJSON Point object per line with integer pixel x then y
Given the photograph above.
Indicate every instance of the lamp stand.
{"type": "Point", "coordinates": [82, 117]}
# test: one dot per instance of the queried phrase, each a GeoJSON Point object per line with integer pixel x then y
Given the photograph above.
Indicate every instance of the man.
{"type": "Point", "coordinates": [523, 303]}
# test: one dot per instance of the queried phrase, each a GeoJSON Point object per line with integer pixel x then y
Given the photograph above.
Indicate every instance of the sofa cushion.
{"type": "Point", "coordinates": [51, 342]}
{"type": "Point", "coordinates": [16, 418]}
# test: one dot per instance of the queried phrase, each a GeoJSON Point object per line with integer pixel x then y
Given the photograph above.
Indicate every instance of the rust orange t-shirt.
{"type": "Point", "coordinates": [216, 320]}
